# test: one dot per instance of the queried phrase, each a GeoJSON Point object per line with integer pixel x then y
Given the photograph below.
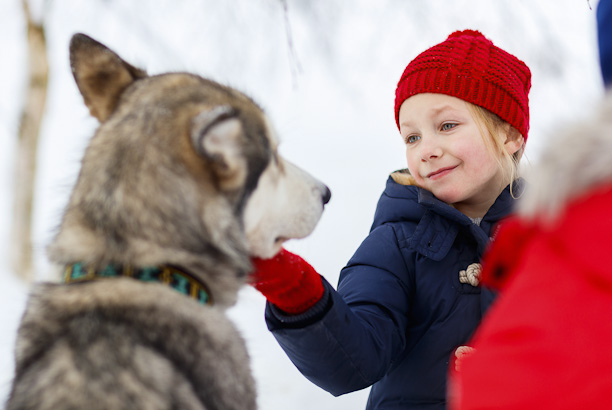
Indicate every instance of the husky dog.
{"type": "Point", "coordinates": [180, 185]}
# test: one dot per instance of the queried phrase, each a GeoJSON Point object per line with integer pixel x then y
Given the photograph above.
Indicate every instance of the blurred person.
{"type": "Point", "coordinates": [409, 296]}
{"type": "Point", "coordinates": [546, 341]}
{"type": "Point", "coordinates": [604, 36]}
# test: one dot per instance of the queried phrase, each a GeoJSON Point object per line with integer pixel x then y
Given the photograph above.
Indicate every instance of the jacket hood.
{"type": "Point", "coordinates": [574, 163]}
{"type": "Point", "coordinates": [399, 201]}
{"type": "Point", "coordinates": [437, 223]}
{"type": "Point", "coordinates": [403, 200]}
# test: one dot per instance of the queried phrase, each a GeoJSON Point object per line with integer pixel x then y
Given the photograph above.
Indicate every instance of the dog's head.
{"type": "Point", "coordinates": [180, 166]}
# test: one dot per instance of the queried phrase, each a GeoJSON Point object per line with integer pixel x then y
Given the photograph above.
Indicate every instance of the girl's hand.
{"type": "Point", "coordinates": [460, 354]}
{"type": "Point", "coordinates": [287, 281]}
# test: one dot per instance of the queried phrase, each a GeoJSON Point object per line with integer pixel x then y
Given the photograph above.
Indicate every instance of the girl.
{"type": "Point", "coordinates": [408, 298]}
{"type": "Point", "coordinates": [546, 342]}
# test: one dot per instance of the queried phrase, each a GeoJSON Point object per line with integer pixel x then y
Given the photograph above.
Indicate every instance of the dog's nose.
{"type": "Point", "coordinates": [326, 195]}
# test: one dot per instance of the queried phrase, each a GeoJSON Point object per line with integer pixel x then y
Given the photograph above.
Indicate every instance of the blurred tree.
{"type": "Point", "coordinates": [27, 147]}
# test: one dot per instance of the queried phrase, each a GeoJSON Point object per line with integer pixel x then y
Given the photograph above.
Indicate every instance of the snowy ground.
{"type": "Point", "coordinates": [330, 96]}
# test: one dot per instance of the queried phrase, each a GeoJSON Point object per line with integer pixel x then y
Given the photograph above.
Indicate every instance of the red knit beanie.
{"type": "Point", "coordinates": [468, 66]}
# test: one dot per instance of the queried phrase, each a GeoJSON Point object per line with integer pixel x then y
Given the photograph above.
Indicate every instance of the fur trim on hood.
{"type": "Point", "coordinates": [403, 177]}
{"type": "Point", "coordinates": [574, 163]}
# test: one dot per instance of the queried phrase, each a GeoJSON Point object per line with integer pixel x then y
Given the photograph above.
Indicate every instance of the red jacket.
{"type": "Point", "coordinates": [546, 342]}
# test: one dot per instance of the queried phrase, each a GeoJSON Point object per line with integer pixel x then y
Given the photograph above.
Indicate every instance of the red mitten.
{"type": "Point", "coordinates": [287, 281]}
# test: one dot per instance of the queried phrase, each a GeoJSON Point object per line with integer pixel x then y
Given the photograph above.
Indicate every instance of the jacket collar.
{"type": "Point", "coordinates": [437, 222]}
{"type": "Point", "coordinates": [502, 206]}
{"type": "Point", "coordinates": [441, 223]}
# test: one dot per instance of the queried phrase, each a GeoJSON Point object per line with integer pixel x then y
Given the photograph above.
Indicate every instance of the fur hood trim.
{"type": "Point", "coordinates": [403, 177]}
{"type": "Point", "coordinates": [574, 163]}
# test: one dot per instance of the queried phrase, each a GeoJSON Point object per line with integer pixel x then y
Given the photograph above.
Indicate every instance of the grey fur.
{"type": "Point", "coordinates": [165, 180]}
{"type": "Point", "coordinates": [121, 344]}
{"type": "Point", "coordinates": [576, 160]}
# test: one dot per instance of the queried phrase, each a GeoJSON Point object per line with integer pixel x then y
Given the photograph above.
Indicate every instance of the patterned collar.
{"type": "Point", "coordinates": [177, 279]}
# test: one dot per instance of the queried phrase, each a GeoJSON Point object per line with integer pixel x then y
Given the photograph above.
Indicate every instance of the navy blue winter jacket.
{"type": "Point", "coordinates": [400, 311]}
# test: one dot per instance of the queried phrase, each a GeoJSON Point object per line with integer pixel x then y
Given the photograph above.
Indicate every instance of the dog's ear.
{"type": "Point", "coordinates": [100, 74]}
{"type": "Point", "coordinates": [216, 136]}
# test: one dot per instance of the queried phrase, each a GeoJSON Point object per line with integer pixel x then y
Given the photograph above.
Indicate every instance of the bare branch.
{"type": "Point", "coordinates": [294, 62]}
{"type": "Point", "coordinates": [27, 147]}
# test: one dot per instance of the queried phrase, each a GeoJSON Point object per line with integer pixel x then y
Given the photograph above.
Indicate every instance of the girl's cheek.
{"type": "Point", "coordinates": [414, 172]}
{"type": "Point", "coordinates": [410, 162]}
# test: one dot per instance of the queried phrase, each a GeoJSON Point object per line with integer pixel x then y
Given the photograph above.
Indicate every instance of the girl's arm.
{"type": "Point", "coordinates": [350, 339]}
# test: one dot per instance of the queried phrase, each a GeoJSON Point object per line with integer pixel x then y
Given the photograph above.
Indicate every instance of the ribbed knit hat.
{"type": "Point", "coordinates": [470, 67]}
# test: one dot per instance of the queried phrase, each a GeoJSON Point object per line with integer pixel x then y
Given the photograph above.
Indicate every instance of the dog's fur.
{"type": "Point", "coordinates": [182, 171]}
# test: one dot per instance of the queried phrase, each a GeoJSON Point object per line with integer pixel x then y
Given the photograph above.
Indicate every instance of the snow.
{"type": "Point", "coordinates": [328, 87]}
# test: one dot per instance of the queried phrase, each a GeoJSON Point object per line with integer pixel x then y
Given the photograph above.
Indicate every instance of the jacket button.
{"type": "Point", "coordinates": [471, 275]}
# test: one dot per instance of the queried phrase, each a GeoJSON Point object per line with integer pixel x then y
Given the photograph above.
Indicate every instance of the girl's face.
{"type": "Point", "coordinates": [447, 155]}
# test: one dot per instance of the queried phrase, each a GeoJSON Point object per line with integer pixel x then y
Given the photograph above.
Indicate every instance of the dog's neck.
{"type": "Point", "coordinates": [178, 279]}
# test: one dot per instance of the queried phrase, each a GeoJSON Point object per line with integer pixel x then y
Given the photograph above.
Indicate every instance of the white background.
{"type": "Point", "coordinates": [328, 87]}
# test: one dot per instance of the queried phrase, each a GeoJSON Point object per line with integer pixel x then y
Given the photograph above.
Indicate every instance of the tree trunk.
{"type": "Point", "coordinates": [27, 147]}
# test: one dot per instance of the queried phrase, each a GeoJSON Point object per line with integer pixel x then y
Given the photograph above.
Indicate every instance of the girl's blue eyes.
{"type": "Point", "coordinates": [411, 139]}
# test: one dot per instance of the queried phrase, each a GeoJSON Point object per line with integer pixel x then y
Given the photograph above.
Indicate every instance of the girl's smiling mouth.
{"type": "Point", "coordinates": [439, 173]}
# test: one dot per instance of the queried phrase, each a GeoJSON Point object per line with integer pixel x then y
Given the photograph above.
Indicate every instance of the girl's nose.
{"type": "Point", "coordinates": [430, 149]}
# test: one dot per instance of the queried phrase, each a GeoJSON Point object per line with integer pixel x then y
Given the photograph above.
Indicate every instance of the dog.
{"type": "Point", "coordinates": [181, 184]}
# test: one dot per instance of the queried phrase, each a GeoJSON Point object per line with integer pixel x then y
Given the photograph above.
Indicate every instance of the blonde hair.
{"type": "Point", "coordinates": [494, 132]}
